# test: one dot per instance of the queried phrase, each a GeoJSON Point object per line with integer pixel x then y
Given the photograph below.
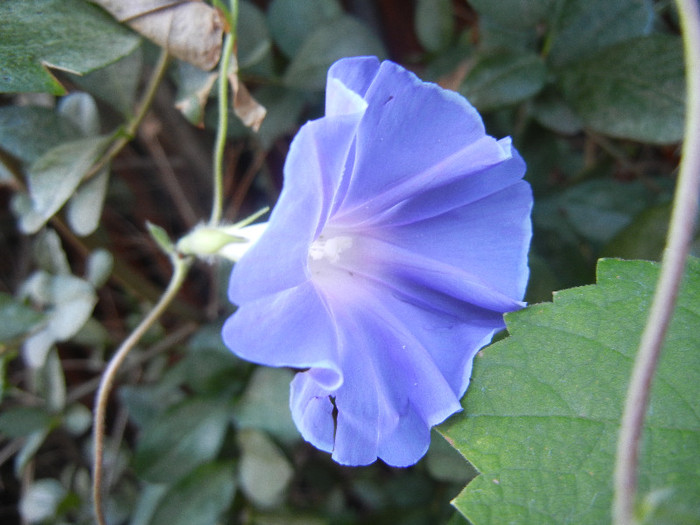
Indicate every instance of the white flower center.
{"type": "Point", "coordinates": [329, 248]}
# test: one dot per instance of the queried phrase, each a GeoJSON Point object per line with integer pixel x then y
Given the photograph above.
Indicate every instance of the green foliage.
{"type": "Point", "coordinates": [180, 439]}
{"type": "Point", "coordinates": [341, 37]}
{"type": "Point", "coordinates": [434, 23]}
{"type": "Point", "coordinates": [55, 177]}
{"type": "Point", "coordinates": [504, 78]}
{"type": "Point", "coordinates": [542, 412]}
{"type": "Point", "coordinates": [17, 318]}
{"type": "Point", "coordinates": [590, 91]}
{"type": "Point", "coordinates": [291, 22]}
{"type": "Point", "coordinates": [35, 36]}
{"type": "Point", "coordinates": [197, 499]}
{"type": "Point", "coordinates": [633, 89]}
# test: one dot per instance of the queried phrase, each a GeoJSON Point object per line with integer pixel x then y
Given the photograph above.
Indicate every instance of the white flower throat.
{"type": "Point", "coordinates": [329, 248]}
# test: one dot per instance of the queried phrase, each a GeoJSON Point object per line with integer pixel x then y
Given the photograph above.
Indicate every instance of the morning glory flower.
{"type": "Point", "coordinates": [399, 240]}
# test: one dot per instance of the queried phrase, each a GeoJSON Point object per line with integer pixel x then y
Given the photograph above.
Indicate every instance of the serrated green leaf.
{"type": "Point", "coordinates": [543, 409]}
{"type": "Point", "coordinates": [434, 23]}
{"type": "Point", "coordinates": [180, 439]}
{"type": "Point", "coordinates": [55, 176]}
{"type": "Point", "coordinates": [292, 21]}
{"type": "Point", "coordinates": [583, 27]}
{"type": "Point", "coordinates": [515, 13]}
{"type": "Point", "coordinates": [341, 37]}
{"type": "Point", "coordinates": [634, 89]}
{"type": "Point", "coordinates": [17, 318]}
{"type": "Point", "coordinates": [199, 498]}
{"type": "Point", "coordinates": [504, 78]}
{"type": "Point", "coordinates": [70, 35]}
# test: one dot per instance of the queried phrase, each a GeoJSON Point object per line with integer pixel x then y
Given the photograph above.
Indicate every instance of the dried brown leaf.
{"type": "Point", "coordinates": [246, 108]}
{"type": "Point", "coordinates": [189, 29]}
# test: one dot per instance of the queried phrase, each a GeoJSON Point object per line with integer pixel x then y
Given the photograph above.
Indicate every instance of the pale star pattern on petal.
{"type": "Point", "coordinates": [399, 240]}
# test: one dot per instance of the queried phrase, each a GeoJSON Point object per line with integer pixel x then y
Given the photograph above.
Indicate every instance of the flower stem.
{"type": "Point", "coordinates": [222, 128]}
{"type": "Point", "coordinates": [128, 132]}
{"type": "Point", "coordinates": [677, 247]}
{"type": "Point", "coordinates": [180, 269]}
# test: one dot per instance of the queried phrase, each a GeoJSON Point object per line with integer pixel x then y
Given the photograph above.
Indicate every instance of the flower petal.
{"type": "Point", "coordinates": [409, 127]}
{"type": "Point", "coordinates": [355, 73]}
{"type": "Point", "coordinates": [393, 391]}
{"type": "Point", "coordinates": [489, 237]}
{"type": "Point", "coordinates": [312, 411]}
{"type": "Point", "coordinates": [290, 328]}
{"type": "Point", "coordinates": [312, 172]}
{"type": "Point", "coordinates": [450, 192]}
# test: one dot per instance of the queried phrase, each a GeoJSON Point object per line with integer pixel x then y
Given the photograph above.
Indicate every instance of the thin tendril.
{"type": "Point", "coordinates": [129, 131]}
{"type": "Point", "coordinates": [222, 128]}
{"type": "Point", "coordinates": [180, 269]}
{"type": "Point", "coordinates": [678, 245]}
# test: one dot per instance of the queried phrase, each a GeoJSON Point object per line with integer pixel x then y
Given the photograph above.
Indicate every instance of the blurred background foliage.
{"type": "Point", "coordinates": [590, 90]}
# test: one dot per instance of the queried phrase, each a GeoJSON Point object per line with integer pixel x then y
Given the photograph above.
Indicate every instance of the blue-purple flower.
{"type": "Point", "coordinates": [398, 242]}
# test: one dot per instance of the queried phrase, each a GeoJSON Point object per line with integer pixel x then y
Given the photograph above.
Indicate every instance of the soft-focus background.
{"type": "Point", "coordinates": [590, 90]}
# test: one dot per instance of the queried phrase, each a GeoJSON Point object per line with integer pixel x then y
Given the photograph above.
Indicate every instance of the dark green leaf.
{"type": "Point", "coordinates": [595, 210]}
{"type": "Point", "coordinates": [265, 403]}
{"type": "Point", "coordinates": [550, 110]}
{"type": "Point", "coordinates": [254, 42]}
{"type": "Point", "coordinates": [291, 21]}
{"type": "Point", "coordinates": [342, 37]}
{"type": "Point", "coordinates": [644, 238]}
{"type": "Point", "coordinates": [22, 421]}
{"type": "Point", "coordinates": [515, 13]}
{"type": "Point", "coordinates": [70, 35]}
{"type": "Point", "coordinates": [17, 318]}
{"type": "Point", "coordinates": [117, 83]}
{"type": "Point", "coordinates": [504, 78]}
{"type": "Point", "coordinates": [27, 132]}
{"type": "Point", "coordinates": [584, 27]}
{"type": "Point", "coordinates": [84, 208]}
{"type": "Point", "coordinates": [180, 439]}
{"type": "Point", "coordinates": [199, 498]}
{"type": "Point", "coordinates": [55, 176]}
{"type": "Point", "coordinates": [284, 107]}
{"type": "Point", "coordinates": [434, 23]}
{"type": "Point", "coordinates": [632, 90]}
{"type": "Point", "coordinates": [42, 500]}
{"type": "Point", "coordinates": [264, 470]}
{"type": "Point", "coordinates": [81, 109]}
{"type": "Point", "coordinates": [542, 412]}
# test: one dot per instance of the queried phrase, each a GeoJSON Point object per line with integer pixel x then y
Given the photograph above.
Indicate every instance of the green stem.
{"type": "Point", "coordinates": [677, 247]}
{"type": "Point", "coordinates": [180, 269]}
{"type": "Point", "coordinates": [222, 129]}
{"type": "Point", "coordinates": [128, 132]}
